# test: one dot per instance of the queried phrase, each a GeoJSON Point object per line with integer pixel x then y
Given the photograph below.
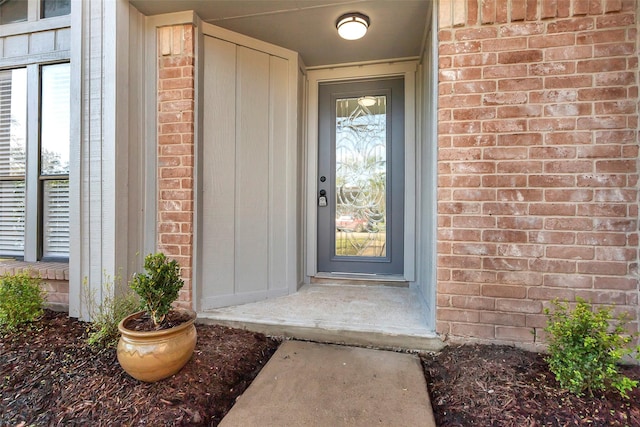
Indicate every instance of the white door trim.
{"type": "Point", "coordinates": [406, 69]}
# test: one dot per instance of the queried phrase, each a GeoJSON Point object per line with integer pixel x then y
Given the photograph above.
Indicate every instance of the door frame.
{"type": "Point", "coordinates": [404, 69]}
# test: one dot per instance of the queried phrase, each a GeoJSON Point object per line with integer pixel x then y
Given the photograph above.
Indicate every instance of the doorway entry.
{"type": "Point", "coordinates": [361, 175]}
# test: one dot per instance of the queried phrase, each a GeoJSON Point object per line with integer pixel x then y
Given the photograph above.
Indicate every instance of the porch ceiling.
{"type": "Point", "coordinates": [308, 26]}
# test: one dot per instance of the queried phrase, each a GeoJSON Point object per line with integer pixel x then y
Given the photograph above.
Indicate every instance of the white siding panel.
{"type": "Point", "coordinates": [16, 46]}
{"type": "Point", "coordinates": [62, 39]}
{"type": "Point", "coordinates": [252, 170]}
{"type": "Point", "coordinates": [42, 42]}
{"type": "Point", "coordinates": [219, 170]}
{"type": "Point", "coordinates": [278, 220]}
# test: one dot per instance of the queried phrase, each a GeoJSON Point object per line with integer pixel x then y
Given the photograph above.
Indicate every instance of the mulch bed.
{"type": "Point", "coordinates": [489, 385]}
{"type": "Point", "coordinates": [50, 376]}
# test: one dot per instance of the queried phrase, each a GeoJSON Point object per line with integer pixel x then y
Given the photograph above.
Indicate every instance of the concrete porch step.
{"type": "Point", "coordinates": [381, 317]}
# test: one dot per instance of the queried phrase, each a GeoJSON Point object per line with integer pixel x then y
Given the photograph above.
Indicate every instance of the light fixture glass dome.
{"type": "Point", "coordinates": [352, 26]}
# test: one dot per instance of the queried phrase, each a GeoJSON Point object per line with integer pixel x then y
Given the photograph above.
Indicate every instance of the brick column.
{"type": "Point", "coordinates": [176, 149]}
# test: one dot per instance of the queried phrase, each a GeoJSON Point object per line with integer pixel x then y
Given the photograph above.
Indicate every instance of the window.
{"type": "Point", "coordinates": [51, 8]}
{"type": "Point", "coordinates": [13, 136]}
{"type": "Point", "coordinates": [34, 196]}
{"type": "Point", "coordinates": [54, 160]}
{"type": "Point", "coordinates": [13, 11]}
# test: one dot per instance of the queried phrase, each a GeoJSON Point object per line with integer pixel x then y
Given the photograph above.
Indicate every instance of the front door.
{"type": "Point", "coordinates": [361, 177]}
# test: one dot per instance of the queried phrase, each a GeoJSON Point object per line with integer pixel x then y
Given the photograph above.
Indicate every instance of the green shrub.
{"type": "Point", "coordinates": [21, 299]}
{"type": "Point", "coordinates": [585, 347]}
{"type": "Point", "coordinates": [158, 288]}
{"type": "Point", "coordinates": [105, 315]}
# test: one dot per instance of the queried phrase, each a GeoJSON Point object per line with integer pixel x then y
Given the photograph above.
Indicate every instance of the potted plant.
{"type": "Point", "coordinates": [157, 342]}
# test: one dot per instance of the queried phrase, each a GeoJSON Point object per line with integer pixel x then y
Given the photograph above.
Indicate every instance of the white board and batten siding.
{"type": "Point", "coordinates": [249, 169]}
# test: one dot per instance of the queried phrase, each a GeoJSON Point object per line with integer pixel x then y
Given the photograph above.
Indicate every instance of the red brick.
{"type": "Point", "coordinates": [571, 195]}
{"type": "Point", "coordinates": [478, 86]}
{"type": "Point", "coordinates": [552, 124]}
{"type": "Point", "coordinates": [551, 181]}
{"type": "Point", "coordinates": [617, 283]}
{"type": "Point", "coordinates": [520, 278]}
{"type": "Point", "coordinates": [603, 210]}
{"type": "Point", "coordinates": [514, 334]}
{"type": "Point", "coordinates": [619, 166]}
{"type": "Point", "coordinates": [476, 331]}
{"type": "Point", "coordinates": [519, 111]}
{"type": "Point", "coordinates": [553, 266]}
{"type": "Point", "coordinates": [615, 195]}
{"type": "Point", "coordinates": [504, 291]}
{"type": "Point", "coordinates": [513, 236]}
{"type": "Point", "coordinates": [526, 56]}
{"type": "Point", "coordinates": [615, 224]}
{"type": "Point", "coordinates": [519, 167]}
{"type": "Point", "coordinates": [476, 33]}
{"type": "Point", "coordinates": [521, 84]}
{"type": "Point", "coordinates": [552, 152]}
{"type": "Point", "coordinates": [458, 208]}
{"type": "Point", "coordinates": [600, 94]}
{"type": "Point", "coordinates": [570, 252]}
{"type": "Point", "coordinates": [616, 107]}
{"type": "Point", "coordinates": [460, 74]}
{"type": "Point", "coordinates": [602, 65]}
{"type": "Point", "coordinates": [504, 264]}
{"type": "Point", "coordinates": [474, 140]}
{"type": "Point", "coordinates": [568, 82]}
{"type": "Point", "coordinates": [601, 36]}
{"type": "Point", "coordinates": [518, 13]}
{"type": "Point", "coordinates": [472, 249]}
{"type": "Point", "coordinates": [502, 126]}
{"type": "Point", "coordinates": [520, 250]}
{"type": "Point", "coordinates": [458, 288]}
{"type": "Point", "coordinates": [507, 319]}
{"type": "Point", "coordinates": [520, 223]}
{"type": "Point", "coordinates": [518, 306]}
{"type": "Point", "coordinates": [554, 96]}
{"type": "Point", "coordinates": [578, 224]}
{"type": "Point", "coordinates": [472, 302]}
{"type": "Point", "coordinates": [520, 195]}
{"type": "Point", "coordinates": [615, 20]}
{"type": "Point", "coordinates": [568, 166]}
{"type": "Point", "coordinates": [568, 53]}
{"type": "Point", "coordinates": [552, 68]}
{"type": "Point", "coordinates": [621, 78]}
{"type": "Point", "coordinates": [474, 222]}
{"type": "Point", "coordinates": [505, 98]}
{"type": "Point", "coordinates": [601, 239]}
{"type": "Point", "coordinates": [498, 71]}
{"type": "Point", "coordinates": [609, 268]}
{"type": "Point", "coordinates": [574, 281]}
{"type": "Point", "coordinates": [600, 152]}
{"type": "Point", "coordinates": [617, 49]}
{"type": "Point", "coordinates": [504, 181]}
{"type": "Point", "coordinates": [520, 140]}
{"type": "Point", "coordinates": [459, 235]}
{"type": "Point", "coordinates": [552, 40]}
{"type": "Point", "coordinates": [488, 12]}
{"type": "Point", "coordinates": [571, 25]}
{"type": "Point", "coordinates": [601, 180]}
{"type": "Point", "coordinates": [458, 315]}
{"type": "Point", "coordinates": [552, 209]}
{"type": "Point", "coordinates": [602, 122]}
{"type": "Point", "coordinates": [504, 208]}
{"type": "Point", "coordinates": [474, 113]}
{"type": "Point", "coordinates": [616, 254]}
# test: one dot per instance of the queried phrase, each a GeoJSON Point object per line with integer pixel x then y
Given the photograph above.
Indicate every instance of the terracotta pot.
{"type": "Point", "coordinates": [155, 355]}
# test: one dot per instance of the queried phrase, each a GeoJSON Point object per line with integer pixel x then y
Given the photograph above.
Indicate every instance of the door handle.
{"type": "Point", "coordinates": [322, 200]}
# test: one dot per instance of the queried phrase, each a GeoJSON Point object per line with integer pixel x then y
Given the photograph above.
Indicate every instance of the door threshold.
{"type": "Point", "coordinates": [362, 279]}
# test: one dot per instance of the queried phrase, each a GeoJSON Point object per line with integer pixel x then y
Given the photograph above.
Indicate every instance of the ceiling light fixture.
{"type": "Point", "coordinates": [352, 26]}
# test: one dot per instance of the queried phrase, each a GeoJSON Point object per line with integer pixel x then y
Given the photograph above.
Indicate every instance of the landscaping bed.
{"type": "Point", "coordinates": [50, 376]}
{"type": "Point", "coordinates": [490, 385]}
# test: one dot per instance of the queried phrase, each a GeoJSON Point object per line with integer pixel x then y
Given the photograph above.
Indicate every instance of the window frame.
{"type": "Point", "coordinates": [34, 181]}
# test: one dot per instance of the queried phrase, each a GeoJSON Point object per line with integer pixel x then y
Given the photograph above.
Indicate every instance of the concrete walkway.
{"type": "Point", "coordinates": [309, 384]}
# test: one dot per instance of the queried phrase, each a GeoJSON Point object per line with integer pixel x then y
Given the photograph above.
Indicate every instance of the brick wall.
{"type": "Point", "coordinates": [538, 162]}
{"type": "Point", "coordinates": [55, 278]}
{"type": "Point", "coordinates": [176, 149]}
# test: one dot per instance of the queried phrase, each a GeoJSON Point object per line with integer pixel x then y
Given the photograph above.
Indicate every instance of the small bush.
{"type": "Point", "coordinates": [585, 347]}
{"type": "Point", "coordinates": [21, 299]}
{"type": "Point", "coordinates": [105, 315]}
{"type": "Point", "coordinates": [158, 288]}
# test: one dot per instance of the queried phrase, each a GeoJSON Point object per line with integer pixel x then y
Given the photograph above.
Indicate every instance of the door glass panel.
{"type": "Point", "coordinates": [361, 176]}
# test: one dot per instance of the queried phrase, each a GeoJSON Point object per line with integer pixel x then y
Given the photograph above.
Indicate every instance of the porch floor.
{"type": "Point", "coordinates": [374, 316]}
